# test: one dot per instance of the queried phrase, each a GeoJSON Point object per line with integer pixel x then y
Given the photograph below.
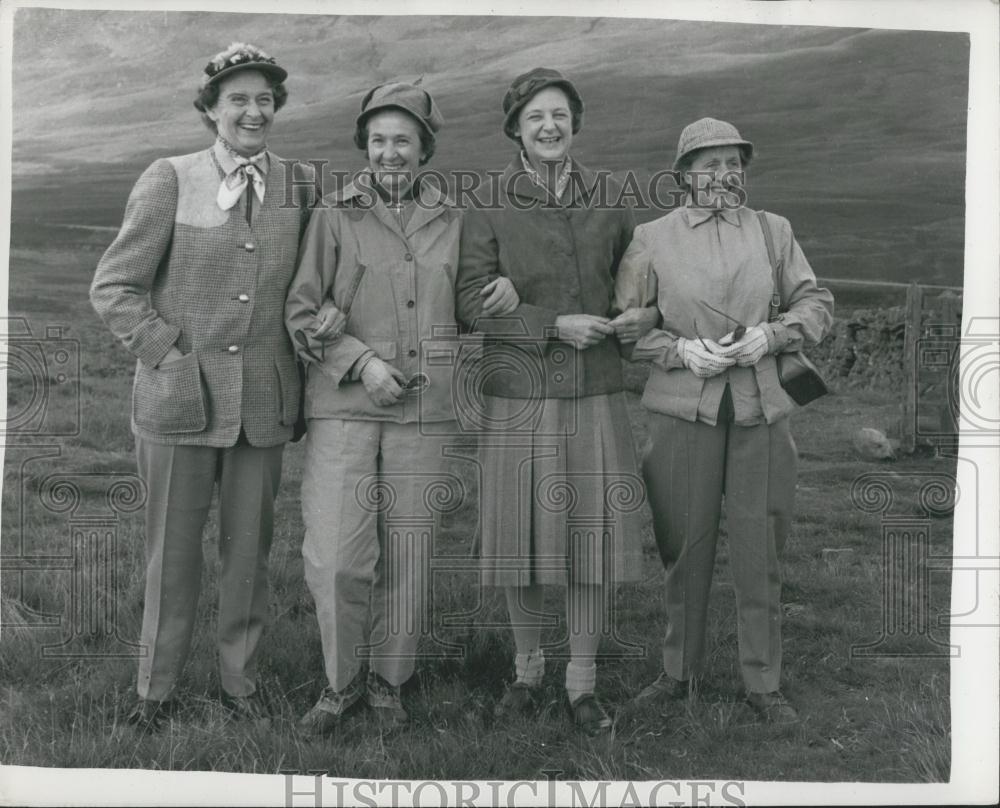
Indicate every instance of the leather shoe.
{"type": "Point", "coordinates": [331, 707]}
{"type": "Point", "coordinates": [520, 699]}
{"type": "Point", "coordinates": [589, 715]}
{"type": "Point", "coordinates": [150, 715]}
{"type": "Point", "coordinates": [773, 707]}
{"type": "Point", "coordinates": [664, 690]}
{"type": "Point", "coordinates": [251, 707]}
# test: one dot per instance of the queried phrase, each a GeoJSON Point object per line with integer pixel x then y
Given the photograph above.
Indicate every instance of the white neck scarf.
{"type": "Point", "coordinates": [235, 183]}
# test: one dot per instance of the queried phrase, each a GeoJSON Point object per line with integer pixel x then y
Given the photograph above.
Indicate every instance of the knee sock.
{"type": "Point", "coordinates": [524, 605]}
{"type": "Point", "coordinates": [584, 612]}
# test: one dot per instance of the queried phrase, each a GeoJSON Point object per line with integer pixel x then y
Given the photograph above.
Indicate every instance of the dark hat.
{"type": "Point", "coordinates": [399, 95]}
{"type": "Point", "coordinates": [527, 85]}
{"type": "Point", "coordinates": [241, 56]}
{"type": "Point", "coordinates": [706, 132]}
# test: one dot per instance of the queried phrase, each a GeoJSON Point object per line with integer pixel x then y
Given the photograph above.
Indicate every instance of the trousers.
{"type": "Point", "coordinates": [690, 468]}
{"type": "Point", "coordinates": [368, 505]}
{"type": "Point", "coordinates": [180, 481]}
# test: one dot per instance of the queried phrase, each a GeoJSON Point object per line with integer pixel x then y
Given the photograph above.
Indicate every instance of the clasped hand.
{"type": "Point", "coordinates": [706, 358]}
{"type": "Point", "coordinates": [383, 382]}
{"type": "Point", "coordinates": [748, 350]}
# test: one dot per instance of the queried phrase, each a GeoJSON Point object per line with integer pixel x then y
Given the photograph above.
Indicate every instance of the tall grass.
{"type": "Point", "coordinates": [863, 719]}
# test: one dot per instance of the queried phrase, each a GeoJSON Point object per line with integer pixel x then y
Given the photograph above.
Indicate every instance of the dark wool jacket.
{"type": "Point", "coordinates": [562, 259]}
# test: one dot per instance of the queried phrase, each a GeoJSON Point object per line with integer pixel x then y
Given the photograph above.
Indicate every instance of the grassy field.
{"type": "Point", "coordinates": [879, 719]}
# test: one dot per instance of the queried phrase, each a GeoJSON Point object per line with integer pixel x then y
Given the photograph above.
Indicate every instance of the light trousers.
{"type": "Point", "coordinates": [180, 481]}
{"type": "Point", "coordinates": [690, 467]}
{"type": "Point", "coordinates": [369, 517]}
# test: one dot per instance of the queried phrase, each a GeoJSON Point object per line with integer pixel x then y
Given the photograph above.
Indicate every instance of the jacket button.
{"type": "Point", "coordinates": [408, 257]}
{"type": "Point", "coordinates": [249, 246]}
{"type": "Point", "coordinates": [412, 352]}
{"type": "Point", "coordinates": [233, 349]}
{"type": "Point", "coordinates": [244, 298]}
{"type": "Point", "coordinates": [410, 304]}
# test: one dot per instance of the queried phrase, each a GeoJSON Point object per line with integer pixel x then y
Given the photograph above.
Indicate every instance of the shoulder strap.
{"type": "Point", "coordinates": [775, 306]}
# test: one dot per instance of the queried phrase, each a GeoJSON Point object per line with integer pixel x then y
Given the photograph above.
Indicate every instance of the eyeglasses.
{"type": "Point", "coordinates": [740, 329]}
{"type": "Point", "coordinates": [416, 384]}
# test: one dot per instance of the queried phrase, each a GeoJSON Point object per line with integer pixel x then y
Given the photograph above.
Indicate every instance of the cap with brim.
{"type": "Point", "coordinates": [706, 133]}
{"type": "Point", "coordinates": [527, 86]}
{"type": "Point", "coordinates": [400, 95]}
{"type": "Point", "coordinates": [242, 56]}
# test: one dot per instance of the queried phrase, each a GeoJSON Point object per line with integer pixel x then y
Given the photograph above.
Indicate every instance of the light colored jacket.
{"type": "Point", "coordinates": [397, 286]}
{"type": "Point", "coordinates": [184, 272]}
{"type": "Point", "coordinates": [690, 258]}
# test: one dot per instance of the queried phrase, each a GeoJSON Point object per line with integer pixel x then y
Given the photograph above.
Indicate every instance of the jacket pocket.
{"type": "Point", "coordinates": [170, 399]}
{"type": "Point", "coordinates": [289, 389]}
{"type": "Point", "coordinates": [385, 348]}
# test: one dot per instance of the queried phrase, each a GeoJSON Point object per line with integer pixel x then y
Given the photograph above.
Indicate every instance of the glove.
{"type": "Point", "coordinates": [750, 349]}
{"type": "Point", "coordinates": [704, 363]}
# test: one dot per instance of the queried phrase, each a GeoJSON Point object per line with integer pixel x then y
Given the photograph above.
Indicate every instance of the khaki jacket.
{"type": "Point", "coordinates": [397, 286]}
{"type": "Point", "coordinates": [690, 258]}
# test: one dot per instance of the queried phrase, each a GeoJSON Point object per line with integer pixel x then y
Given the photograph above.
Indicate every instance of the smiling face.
{"type": "Point", "coordinates": [545, 127]}
{"type": "Point", "coordinates": [245, 111]}
{"type": "Point", "coordinates": [712, 174]}
{"type": "Point", "coordinates": [394, 150]}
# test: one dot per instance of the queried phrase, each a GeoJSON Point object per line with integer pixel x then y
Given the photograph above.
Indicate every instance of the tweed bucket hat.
{"type": "Point", "coordinates": [241, 56]}
{"type": "Point", "coordinates": [399, 95]}
{"type": "Point", "coordinates": [527, 85]}
{"type": "Point", "coordinates": [707, 132]}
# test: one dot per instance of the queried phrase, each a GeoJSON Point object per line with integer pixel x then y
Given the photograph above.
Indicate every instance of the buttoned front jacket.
{"type": "Point", "coordinates": [184, 272]}
{"type": "Point", "coordinates": [395, 282]}
{"type": "Point", "coordinates": [562, 258]}
{"type": "Point", "coordinates": [693, 265]}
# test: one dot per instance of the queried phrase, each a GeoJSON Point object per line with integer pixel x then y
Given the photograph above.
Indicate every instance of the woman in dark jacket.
{"type": "Point", "coordinates": [558, 460]}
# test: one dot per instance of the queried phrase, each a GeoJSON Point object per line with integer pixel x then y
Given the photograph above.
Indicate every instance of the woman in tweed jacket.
{"type": "Point", "coordinates": [194, 286]}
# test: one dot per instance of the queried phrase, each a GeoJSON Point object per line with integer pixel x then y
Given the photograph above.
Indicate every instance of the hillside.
{"type": "Point", "coordinates": [860, 133]}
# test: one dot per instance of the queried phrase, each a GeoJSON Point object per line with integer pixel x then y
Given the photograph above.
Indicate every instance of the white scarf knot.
{"type": "Point", "coordinates": [234, 184]}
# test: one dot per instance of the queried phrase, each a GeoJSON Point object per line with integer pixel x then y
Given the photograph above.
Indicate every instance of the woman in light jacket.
{"type": "Point", "coordinates": [718, 417]}
{"type": "Point", "coordinates": [556, 450]}
{"type": "Point", "coordinates": [372, 312]}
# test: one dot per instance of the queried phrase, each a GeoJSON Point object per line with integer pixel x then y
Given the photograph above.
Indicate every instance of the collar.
{"type": "Point", "coordinates": [228, 163]}
{"type": "Point", "coordinates": [365, 189]}
{"type": "Point", "coordinates": [517, 182]}
{"type": "Point", "coordinates": [561, 181]}
{"type": "Point", "coordinates": [695, 216]}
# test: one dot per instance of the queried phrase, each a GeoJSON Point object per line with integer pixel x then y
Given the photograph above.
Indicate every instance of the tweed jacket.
{"type": "Point", "coordinates": [690, 260]}
{"type": "Point", "coordinates": [397, 286]}
{"type": "Point", "coordinates": [562, 259]}
{"type": "Point", "coordinates": [184, 272]}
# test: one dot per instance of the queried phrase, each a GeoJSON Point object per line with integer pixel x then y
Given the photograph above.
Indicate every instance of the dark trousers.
{"type": "Point", "coordinates": [689, 469]}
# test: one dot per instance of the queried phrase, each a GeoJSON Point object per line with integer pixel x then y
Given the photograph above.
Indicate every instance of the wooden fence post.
{"type": "Point", "coordinates": [950, 311]}
{"type": "Point", "coordinates": [914, 306]}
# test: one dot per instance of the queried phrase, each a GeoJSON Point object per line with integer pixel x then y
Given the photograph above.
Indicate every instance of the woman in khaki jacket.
{"type": "Point", "coordinates": [372, 311]}
{"type": "Point", "coordinates": [718, 417]}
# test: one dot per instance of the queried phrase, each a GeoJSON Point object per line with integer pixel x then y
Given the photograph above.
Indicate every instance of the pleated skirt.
{"type": "Point", "coordinates": [560, 500]}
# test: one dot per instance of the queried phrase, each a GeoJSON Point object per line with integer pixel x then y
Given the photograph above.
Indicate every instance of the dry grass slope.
{"type": "Point", "coordinates": [864, 719]}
